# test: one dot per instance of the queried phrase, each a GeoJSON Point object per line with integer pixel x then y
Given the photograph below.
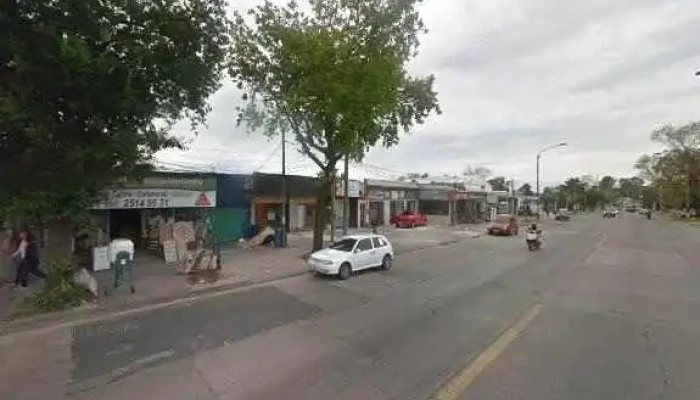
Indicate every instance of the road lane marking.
{"type": "Point", "coordinates": [461, 381]}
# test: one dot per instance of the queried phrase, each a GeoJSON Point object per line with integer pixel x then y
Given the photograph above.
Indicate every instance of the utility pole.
{"type": "Point", "coordinates": [539, 155]}
{"type": "Point", "coordinates": [688, 179]}
{"type": "Point", "coordinates": [285, 195]}
{"type": "Point", "coordinates": [333, 189]}
{"type": "Point", "coordinates": [346, 198]}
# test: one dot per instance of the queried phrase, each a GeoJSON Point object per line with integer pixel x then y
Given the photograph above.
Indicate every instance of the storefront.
{"type": "Point", "coordinates": [232, 213]}
{"type": "Point", "coordinates": [469, 207]}
{"type": "Point", "coordinates": [145, 211]}
{"type": "Point", "coordinates": [267, 201]}
{"type": "Point", "coordinates": [435, 199]}
{"type": "Point", "coordinates": [387, 198]}
{"type": "Point", "coordinates": [355, 192]}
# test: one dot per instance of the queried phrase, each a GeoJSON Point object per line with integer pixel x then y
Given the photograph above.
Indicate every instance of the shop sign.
{"type": "Point", "coordinates": [434, 194]}
{"type": "Point", "coordinates": [157, 198]}
{"type": "Point", "coordinates": [376, 195]}
{"type": "Point", "coordinates": [163, 191]}
{"type": "Point", "coordinates": [492, 198]}
{"type": "Point", "coordinates": [353, 188]}
{"type": "Point", "coordinates": [468, 196]}
{"type": "Point", "coordinates": [411, 195]}
{"type": "Point", "coordinates": [174, 181]}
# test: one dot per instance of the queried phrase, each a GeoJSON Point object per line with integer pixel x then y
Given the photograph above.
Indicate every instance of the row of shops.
{"type": "Point", "coordinates": [218, 208]}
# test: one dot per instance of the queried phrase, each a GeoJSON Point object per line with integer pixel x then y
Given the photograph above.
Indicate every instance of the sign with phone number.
{"type": "Point", "coordinates": [174, 198]}
{"type": "Point", "coordinates": [145, 203]}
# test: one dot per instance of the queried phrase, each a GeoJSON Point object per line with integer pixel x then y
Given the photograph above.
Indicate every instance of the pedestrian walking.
{"type": "Point", "coordinates": [27, 256]}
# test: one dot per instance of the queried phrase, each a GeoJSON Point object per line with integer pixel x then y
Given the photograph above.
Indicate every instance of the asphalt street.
{"type": "Point", "coordinates": [606, 310]}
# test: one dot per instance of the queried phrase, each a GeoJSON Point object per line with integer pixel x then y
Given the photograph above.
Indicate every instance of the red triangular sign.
{"type": "Point", "coordinates": [202, 200]}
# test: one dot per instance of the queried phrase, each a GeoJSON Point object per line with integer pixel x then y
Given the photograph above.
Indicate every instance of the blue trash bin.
{"type": "Point", "coordinates": [280, 238]}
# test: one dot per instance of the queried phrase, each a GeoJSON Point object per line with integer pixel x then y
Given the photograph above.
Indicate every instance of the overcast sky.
{"type": "Point", "coordinates": [514, 76]}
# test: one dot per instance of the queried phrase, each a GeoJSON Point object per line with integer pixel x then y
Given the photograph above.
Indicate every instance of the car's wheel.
{"type": "Point", "coordinates": [387, 262]}
{"type": "Point", "coordinates": [344, 272]}
{"type": "Point", "coordinates": [397, 226]}
{"type": "Point", "coordinates": [413, 225]}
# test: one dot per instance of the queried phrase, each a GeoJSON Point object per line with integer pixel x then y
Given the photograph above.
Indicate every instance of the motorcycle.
{"type": "Point", "coordinates": [533, 239]}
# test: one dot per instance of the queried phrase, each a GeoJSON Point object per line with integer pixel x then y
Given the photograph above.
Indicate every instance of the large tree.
{"type": "Point", "coordinates": [334, 77]}
{"type": "Point", "coordinates": [498, 183]}
{"type": "Point", "coordinates": [526, 189]}
{"type": "Point", "coordinates": [89, 90]}
{"type": "Point", "coordinates": [675, 171]}
{"type": "Point", "coordinates": [631, 187]}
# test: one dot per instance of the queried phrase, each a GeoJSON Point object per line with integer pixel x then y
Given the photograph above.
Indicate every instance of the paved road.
{"type": "Point", "coordinates": [607, 310]}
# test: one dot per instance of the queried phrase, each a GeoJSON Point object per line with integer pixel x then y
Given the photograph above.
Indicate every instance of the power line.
{"type": "Point", "coordinates": [269, 157]}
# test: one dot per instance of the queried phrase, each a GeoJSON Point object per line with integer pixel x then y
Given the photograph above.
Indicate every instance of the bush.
{"type": "Point", "coordinates": [60, 291]}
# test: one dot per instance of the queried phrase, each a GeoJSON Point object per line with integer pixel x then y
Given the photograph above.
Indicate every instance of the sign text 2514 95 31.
{"type": "Point", "coordinates": [145, 202]}
{"type": "Point", "coordinates": [161, 198]}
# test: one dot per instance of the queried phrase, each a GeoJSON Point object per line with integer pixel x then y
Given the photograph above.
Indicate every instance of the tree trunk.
{"type": "Point", "coordinates": [57, 240]}
{"type": "Point", "coordinates": [321, 202]}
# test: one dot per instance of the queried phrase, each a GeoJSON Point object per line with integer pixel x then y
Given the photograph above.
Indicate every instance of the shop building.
{"type": "Point", "coordinates": [231, 216]}
{"type": "Point", "coordinates": [357, 204]}
{"type": "Point", "coordinates": [267, 201]}
{"type": "Point", "coordinates": [435, 202]}
{"type": "Point", "coordinates": [140, 210]}
{"type": "Point", "coordinates": [501, 202]}
{"type": "Point", "coordinates": [468, 207]}
{"type": "Point", "coordinates": [387, 198]}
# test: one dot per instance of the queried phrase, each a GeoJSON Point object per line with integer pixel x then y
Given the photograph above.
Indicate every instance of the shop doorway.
{"type": "Point", "coordinates": [125, 224]}
{"type": "Point", "coordinates": [376, 212]}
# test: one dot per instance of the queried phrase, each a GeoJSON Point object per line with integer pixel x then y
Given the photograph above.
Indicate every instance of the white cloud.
{"type": "Point", "coordinates": [514, 76]}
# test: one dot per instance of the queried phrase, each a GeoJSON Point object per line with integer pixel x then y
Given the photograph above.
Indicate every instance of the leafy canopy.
{"type": "Point", "coordinates": [89, 89]}
{"type": "Point", "coordinates": [335, 76]}
{"type": "Point", "coordinates": [675, 171]}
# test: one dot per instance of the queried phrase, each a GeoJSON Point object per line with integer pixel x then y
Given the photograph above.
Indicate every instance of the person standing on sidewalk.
{"type": "Point", "coordinates": [27, 256]}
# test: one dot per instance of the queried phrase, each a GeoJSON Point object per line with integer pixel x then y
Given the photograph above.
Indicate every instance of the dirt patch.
{"type": "Point", "coordinates": [205, 277]}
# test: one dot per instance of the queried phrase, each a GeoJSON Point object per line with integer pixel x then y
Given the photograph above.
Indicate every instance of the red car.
{"type": "Point", "coordinates": [504, 225]}
{"type": "Point", "coordinates": [408, 219]}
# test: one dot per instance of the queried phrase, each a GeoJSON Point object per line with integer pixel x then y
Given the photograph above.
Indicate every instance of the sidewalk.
{"type": "Point", "coordinates": [156, 283]}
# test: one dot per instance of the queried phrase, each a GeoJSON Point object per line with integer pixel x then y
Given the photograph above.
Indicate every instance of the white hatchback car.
{"type": "Point", "coordinates": [353, 253]}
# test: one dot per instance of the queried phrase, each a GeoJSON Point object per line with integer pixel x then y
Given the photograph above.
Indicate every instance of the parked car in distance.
{"type": "Point", "coordinates": [353, 253]}
{"type": "Point", "coordinates": [408, 219]}
{"type": "Point", "coordinates": [503, 225]}
{"type": "Point", "coordinates": [562, 215]}
{"type": "Point", "coordinates": [610, 213]}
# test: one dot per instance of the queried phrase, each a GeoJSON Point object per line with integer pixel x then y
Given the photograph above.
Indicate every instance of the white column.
{"type": "Point", "coordinates": [387, 211]}
{"type": "Point", "coordinates": [450, 212]}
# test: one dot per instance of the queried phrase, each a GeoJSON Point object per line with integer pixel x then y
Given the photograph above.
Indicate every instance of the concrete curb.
{"type": "Point", "coordinates": [96, 313]}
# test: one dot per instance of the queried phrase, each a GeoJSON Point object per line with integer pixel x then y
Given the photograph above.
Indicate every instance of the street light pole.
{"type": "Point", "coordinates": [537, 185]}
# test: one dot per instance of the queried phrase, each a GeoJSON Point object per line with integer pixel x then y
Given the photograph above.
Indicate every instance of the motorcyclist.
{"type": "Point", "coordinates": [533, 229]}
